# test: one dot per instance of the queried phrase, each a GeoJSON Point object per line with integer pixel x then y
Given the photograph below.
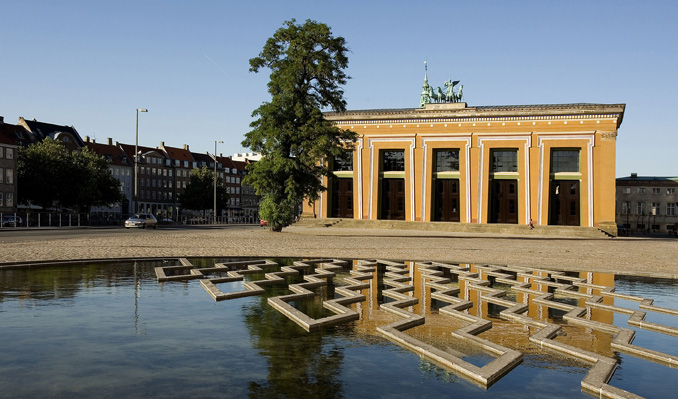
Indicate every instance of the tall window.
{"type": "Point", "coordinates": [671, 209]}
{"type": "Point", "coordinates": [564, 161]}
{"type": "Point", "coordinates": [447, 161]}
{"type": "Point", "coordinates": [640, 208]}
{"type": "Point", "coordinates": [504, 160]}
{"type": "Point", "coordinates": [655, 208]}
{"type": "Point", "coordinates": [626, 208]}
{"type": "Point", "coordinates": [340, 164]}
{"type": "Point", "coordinates": [393, 161]}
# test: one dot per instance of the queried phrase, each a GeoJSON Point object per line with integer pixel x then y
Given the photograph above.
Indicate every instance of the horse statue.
{"type": "Point", "coordinates": [459, 95]}
{"type": "Point", "coordinates": [440, 97]}
{"type": "Point", "coordinates": [436, 96]}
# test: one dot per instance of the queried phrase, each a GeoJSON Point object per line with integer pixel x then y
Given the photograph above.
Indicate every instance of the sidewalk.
{"type": "Point", "coordinates": [639, 256]}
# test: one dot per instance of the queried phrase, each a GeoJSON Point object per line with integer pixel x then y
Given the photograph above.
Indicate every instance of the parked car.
{"type": "Point", "coordinates": [141, 220]}
{"type": "Point", "coordinates": [12, 221]}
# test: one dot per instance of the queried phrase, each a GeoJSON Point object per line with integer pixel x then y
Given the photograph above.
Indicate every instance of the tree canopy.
{"type": "Point", "coordinates": [291, 133]}
{"type": "Point", "coordinates": [52, 176]}
{"type": "Point", "coordinates": [199, 192]}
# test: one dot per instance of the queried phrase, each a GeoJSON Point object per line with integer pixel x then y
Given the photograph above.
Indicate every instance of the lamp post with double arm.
{"type": "Point", "coordinates": [136, 161]}
{"type": "Point", "coordinates": [214, 215]}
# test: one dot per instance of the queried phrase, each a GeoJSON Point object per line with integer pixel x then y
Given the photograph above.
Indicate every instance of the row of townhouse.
{"type": "Point", "coordinates": [647, 204]}
{"type": "Point", "coordinates": [162, 175]}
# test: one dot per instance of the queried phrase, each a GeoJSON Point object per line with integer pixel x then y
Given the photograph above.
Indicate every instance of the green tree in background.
{"type": "Point", "coordinates": [290, 131]}
{"type": "Point", "coordinates": [199, 192]}
{"type": "Point", "coordinates": [52, 176]}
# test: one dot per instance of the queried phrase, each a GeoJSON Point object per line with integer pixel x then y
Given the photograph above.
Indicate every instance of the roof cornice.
{"type": "Point", "coordinates": [460, 112]}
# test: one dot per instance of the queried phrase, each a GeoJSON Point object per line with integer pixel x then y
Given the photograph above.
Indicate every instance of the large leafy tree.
{"type": "Point", "coordinates": [50, 175]}
{"type": "Point", "coordinates": [199, 192]}
{"type": "Point", "coordinates": [97, 185]}
{"type": "Point", "coordinates": [307, 71]}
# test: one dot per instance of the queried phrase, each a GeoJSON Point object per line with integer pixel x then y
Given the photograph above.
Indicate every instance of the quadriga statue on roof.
{"type": "Point", "coordinates": [428, 96]}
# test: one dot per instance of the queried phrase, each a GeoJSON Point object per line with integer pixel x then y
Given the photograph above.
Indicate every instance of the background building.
{"type": "Point", "coordinates": [155, 185]}
{"type": "Point", "coordinates": [647, 204]}
{"type": "Point", "coordinates": [122, 168]}
{"type": "Point", "coordinates": [10, 135]}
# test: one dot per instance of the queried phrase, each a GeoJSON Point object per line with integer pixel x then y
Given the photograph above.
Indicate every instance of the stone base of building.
{"type": "Point", "coordinates": [605, 231]}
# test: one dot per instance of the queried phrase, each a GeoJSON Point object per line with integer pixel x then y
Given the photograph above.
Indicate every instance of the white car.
{"type": "Point", "coordinates": [141, 220]}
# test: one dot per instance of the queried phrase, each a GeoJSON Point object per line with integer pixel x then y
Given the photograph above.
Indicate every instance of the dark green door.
{"type": "Point", "coordinates": [503, 201]}
{"type": "Point", "coordinates": [446, 200]}
{"type": "Point", "coordinates": [564, 203]}
{"type": "Point", "coordinates": [393, 199]}
{"type": "Point", "coordinates": [342, 198]}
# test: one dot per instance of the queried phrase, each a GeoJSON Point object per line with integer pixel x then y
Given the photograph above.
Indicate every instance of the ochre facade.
{"type": "Point", "coordinates": [490, 164]}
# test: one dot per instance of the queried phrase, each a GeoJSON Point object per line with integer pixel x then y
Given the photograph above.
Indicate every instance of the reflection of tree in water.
{"type": "Point", "coordinates": [299, 366]}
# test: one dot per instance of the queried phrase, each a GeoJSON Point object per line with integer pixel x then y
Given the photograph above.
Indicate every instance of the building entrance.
{"type": "Point", "coordinates": [564, 203]}
{"type": "Point", "coordinates": [342, 198]}
{"type": "Point", "coordinates": [446, 200]}
{"type": "Point", "coordinates": [393, 199]}
{"type": "Point", "coordinates": [503, 201]}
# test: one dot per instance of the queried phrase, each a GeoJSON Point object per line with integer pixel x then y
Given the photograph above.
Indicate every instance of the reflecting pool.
{"type": "Point", "coordinates": [112, 330]}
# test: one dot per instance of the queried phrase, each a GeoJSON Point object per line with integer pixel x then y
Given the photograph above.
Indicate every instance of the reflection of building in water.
{"type": "Point", "coordinates": [437, 328]}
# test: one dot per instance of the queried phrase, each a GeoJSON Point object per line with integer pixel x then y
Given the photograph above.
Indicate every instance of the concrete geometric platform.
{"type": "Point", "coordinates": [463, 292]}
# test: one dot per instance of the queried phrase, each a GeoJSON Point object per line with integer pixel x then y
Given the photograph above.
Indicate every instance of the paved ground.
{"type": "Point", "coordinates": [642, 256]}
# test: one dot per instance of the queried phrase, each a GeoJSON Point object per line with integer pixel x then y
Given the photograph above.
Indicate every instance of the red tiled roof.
{"type": "Point", "coordinates": [11, 134]}
{"type": "Point", "coordinates": [178, 154]}
{"type": "Point", "coordinates": [240, 165]}
{"type": "Point", "coordinates": [113, 153]}
{"type": "Point", "coordinates": [227, 162]}
{"type": "Point", "coordinates": [129, 150]}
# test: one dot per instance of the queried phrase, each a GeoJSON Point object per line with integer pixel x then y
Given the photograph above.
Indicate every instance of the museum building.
{"type": "Point", "coordinates": [551, 164]}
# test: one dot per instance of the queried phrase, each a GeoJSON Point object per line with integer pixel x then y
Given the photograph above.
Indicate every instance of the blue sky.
{"type": "Point", "coordinates": [91, 63]}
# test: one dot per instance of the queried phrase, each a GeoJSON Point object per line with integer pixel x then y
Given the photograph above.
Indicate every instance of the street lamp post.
{"type": "Point", "coordinates": [136, 161]}
{"type": "Point", "coordinates": [214, 215]}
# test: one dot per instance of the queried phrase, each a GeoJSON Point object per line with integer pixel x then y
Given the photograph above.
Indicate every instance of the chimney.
{"type": "Point", "coordinates": [162, 144]}
{"type": "Point", "coordinates": [634, 175]}
{"type": "Point", "coordinates": [186, 147]}
{"type": "Point", "coordinates": [109, 141]}
{"type": "Point", "coordinates": [86, 139]}
{"type": "Point", "coordinates": [2, 120]}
